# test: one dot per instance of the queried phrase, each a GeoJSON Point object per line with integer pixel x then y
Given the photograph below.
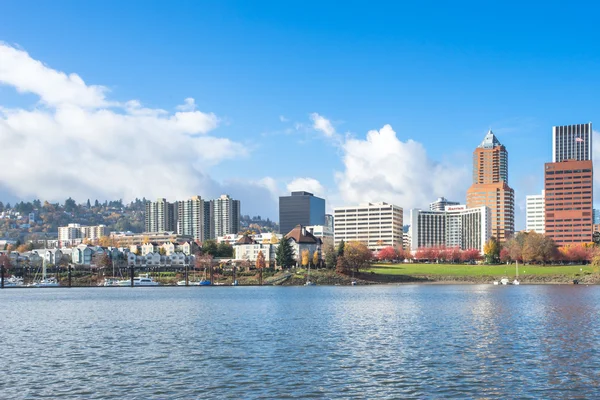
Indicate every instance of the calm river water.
{"type": "Point", "coordinates": [413, 341]}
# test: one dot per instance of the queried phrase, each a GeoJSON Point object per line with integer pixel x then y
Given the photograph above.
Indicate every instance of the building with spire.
{"type": "Point", "coordinates": [490, 186]}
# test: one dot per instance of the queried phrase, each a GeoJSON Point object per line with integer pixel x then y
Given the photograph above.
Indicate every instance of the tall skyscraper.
{"type": "Point", "coordinates": [535, 213]}
{"type": "Point", "coordinates": [194, 218]}
{"type": "Point", "coordinates": [569, 185]}
{"type": "Point", "coordinates": [301, 208]}
{"type": "Point", "coordinates": [225, 216]}
{"type": "Point", "coordinates": [441, 203]}
{"type": "Point", "coordinates": [572, 142]}
{"type": "Point", "coordinates": [490, 186]}
{"type": "Point", "coordinates": [161, 216]}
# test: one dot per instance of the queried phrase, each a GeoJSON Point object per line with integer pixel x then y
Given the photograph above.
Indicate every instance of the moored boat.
{"type": "Point", "coordinates": [140, 280]}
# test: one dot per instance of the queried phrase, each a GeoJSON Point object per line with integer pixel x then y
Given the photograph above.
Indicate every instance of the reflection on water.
{"type": "Point", "coordinates": [408, 341]}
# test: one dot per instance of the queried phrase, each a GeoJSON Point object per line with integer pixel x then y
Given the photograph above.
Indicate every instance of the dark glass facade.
{"type": "Point", "coordinates": [301, 208]}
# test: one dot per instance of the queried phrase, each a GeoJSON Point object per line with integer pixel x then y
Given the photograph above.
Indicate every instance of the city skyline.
{"type": "Point", "coordinates": [298, 105]}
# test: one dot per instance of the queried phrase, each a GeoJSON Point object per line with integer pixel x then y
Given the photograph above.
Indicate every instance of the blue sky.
{"type": "Point", "coordinates": [439, 73]}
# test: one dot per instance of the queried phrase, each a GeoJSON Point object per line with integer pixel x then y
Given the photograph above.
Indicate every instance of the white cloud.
{"type": "Point", "coordinates": [76, 146]}
{"type": "Point", "coordinates": [189, 105]}
{"type": "Point", "coordinates": [383, 168]}
{"type": "Point", "coordinates": [306, 184]}
{"type": "Point", "coordinates": [322, 124]}
{"type": "Point", "coordinates": [283, 119]}
{"type": "Point", "coordinates": [54, 88]}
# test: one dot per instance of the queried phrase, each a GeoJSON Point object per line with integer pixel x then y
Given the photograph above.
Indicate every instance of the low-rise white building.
{"type": "Point", "coordinates": [247, 249]}
{"type": "Point", "coordinates": [159, 260]}
{"type": "Point", "coordinates": [74, 234]}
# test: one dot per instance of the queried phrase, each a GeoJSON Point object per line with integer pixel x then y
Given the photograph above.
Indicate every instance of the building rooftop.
{"type": "Point", "coordinates": [490, 141]}
{"type": "Point", "coordinates": [301, 235]}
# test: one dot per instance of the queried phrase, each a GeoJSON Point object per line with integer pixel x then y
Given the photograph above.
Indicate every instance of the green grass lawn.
{"type": "Point", "coordinates": [476, 270]}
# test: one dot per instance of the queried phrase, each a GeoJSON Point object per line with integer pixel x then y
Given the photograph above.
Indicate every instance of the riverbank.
{"type": "Point", "coordinates": [385, 274]}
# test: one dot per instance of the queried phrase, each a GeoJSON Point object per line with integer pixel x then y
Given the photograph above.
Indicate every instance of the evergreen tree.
{"type": "Point", "coordinates": [224, 249]}
{"type": "Point", "coordinates": [88, 204]}
{"type": "Point", "coordinates": [285, 254]}
{"type": "Point", "coordinates": [37, 204]}
{"type": "Point", "coordinates": [340, 251]}
{"type": "Point", "coordinates": [96, 203]}
{"type": "Point", "coordinates": [70, 205]}
{"type": "Point", "coordinates": [211, 247]}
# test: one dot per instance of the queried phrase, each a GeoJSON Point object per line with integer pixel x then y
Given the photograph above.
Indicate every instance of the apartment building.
{"type": "Point", "coordinates": [457, 226]}
{"type": "Point", "coordinates": [378, 225]}
{"type": "Point", "coordinates": [74, 234]}
{"type": "Point", "coordinates": [193, 218]}
{"type": "Point", "coordinates": [128, 239]}
{"type": "Point", "coordinates": [161, 216]}
{"type": "Point", "coordinates": [225, 216]}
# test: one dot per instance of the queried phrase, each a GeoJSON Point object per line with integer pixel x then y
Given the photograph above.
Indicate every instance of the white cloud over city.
{"type": "Point", "coordinates": [78, 142]}
{"type": "Point", "coordinates": [381, 167]}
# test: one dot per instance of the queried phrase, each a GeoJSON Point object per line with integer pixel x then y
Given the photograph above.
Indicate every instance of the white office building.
{"type": "Point", "coordinates": [74, 234]}
{"type": "Point", "coordinates": [457, 226]}
{"type": "Point", "coordinates": [535, 212]}
{"type": "Point", "coordinates": [378, 225]}
{"type": "Point", "coordinates": [572, 142]}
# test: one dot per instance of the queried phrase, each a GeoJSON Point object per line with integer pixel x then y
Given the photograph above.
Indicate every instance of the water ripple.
{"type": "Point", "coordinates": [318, 342]}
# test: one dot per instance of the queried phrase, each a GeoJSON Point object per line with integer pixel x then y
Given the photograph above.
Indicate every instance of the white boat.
{"type": "Point", "coordinates": [13, 281]}
{"type": "Point", "coordinates": [48, 282]}
{"type": "Point", "coordinates": [109, 282]}
{"type": "Point", "coordinates": [190, 283]}
{"type": "Point", "coordinates": [140, 280]}
{"type": "Point", "coordinates": [45, 281]}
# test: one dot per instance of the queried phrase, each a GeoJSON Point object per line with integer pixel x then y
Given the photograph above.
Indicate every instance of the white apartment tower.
{"type": "Point", "coordinates": [535, 211]}
{"type": "Point", "coordinates": [378, 225]}
{"type": "Point", "coordinates": [225, 213]}
{"type": "Point", "coordinates": [572, 142]}
{"type": "Point", "coordinates": [161, 216]}
{"type": "Point", "coordinates": [193, 218]}
{"type": "Point", "coordinates": [457, 226]}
